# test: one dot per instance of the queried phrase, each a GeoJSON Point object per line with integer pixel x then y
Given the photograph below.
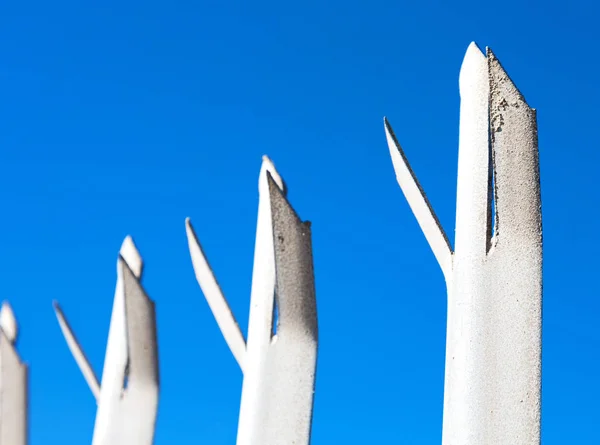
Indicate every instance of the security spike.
{"type": "Point", "coordinates": [279, 362]}
{"type": "Point", "coordinates": [13, 383]}
{"type": "Point", "coordinates": [128, 395]}
{"type": "Point", "coordinates": [493, 343]}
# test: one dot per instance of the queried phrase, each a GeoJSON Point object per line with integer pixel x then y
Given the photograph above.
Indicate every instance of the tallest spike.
{"type": "Point", "coordinates": [493, 342]}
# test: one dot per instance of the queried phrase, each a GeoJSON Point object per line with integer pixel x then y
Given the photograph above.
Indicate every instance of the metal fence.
{"type": "Point", "coordinates": [493, 277]}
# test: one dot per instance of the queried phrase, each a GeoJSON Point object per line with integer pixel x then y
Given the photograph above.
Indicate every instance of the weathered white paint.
{"type": "Point", "coordinates": [279, 370]}
{"type": "Point", "coordinates": [13, 383]}
{"type": "Point", "coordinates": [128, 397]}
{"type": "Point", "coordinates": [493, 344]}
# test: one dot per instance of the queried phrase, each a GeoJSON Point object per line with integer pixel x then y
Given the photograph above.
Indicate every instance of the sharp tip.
{"type": "Point", "coordinates": [391, 136]}
{"type": "Point", "coordinates": [8, 321]}
{"type": "Point", "coordinates": [269, 167]}
{"type": "Point", "coordinates": [128, 246]}
{"type": "Point", "coordinates": [131, 255]}
{"type": "Point", "coordinates": [188, 226]}
{"type": "Point", "coordinates": [386, 124]}
{"type": "Point", "coordinates": [473, 46]}
{"type": "Point", "coordinates": [503, 82]}
{"type": "Point", "coordinates": [473, 62]}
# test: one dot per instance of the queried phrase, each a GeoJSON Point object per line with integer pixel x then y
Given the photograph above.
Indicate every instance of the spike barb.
{"type": "Point", "coordinates": [214, 297]}
{"type": "Point", "coordinates": [77, 352]}
{"type": "Point", "coordinates": [473, 194]}
{"type": "Point", "coordinates": [419, 204]}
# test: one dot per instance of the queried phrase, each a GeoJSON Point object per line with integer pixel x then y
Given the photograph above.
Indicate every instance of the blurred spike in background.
{"type": "Point", "coordinates": [13, 383]}
{"type": "Point", "coordinates": [494, 275]}
{"type": "Point", "coordinates": [128, 397]}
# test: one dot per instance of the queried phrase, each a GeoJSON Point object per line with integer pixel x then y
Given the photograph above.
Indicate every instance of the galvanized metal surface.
{"type": "Point", "coordinates": [128, 397]}
{"type": "Point", "coordinates": [279, 364]}
{"type": "Point", "coordinates": [494, 275]}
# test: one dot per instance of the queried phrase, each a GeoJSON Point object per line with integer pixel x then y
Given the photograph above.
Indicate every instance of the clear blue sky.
{"type": "Point", "coordinates": [126, 117]}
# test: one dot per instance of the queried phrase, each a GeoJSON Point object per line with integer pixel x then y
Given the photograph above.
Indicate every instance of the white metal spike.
{"type": "Point", "coordinates": [8, 322]}
{"type": "Point", "coordinates": [279, 370]}
{"type": "Point", "coordinates": [260, 321]}
{"type": "Point", "coordinates": [493, 344]}
{"type": "Point", "coordinates": [132, 257]}
{"type": "Point", "coordinates": [13, 383]}
{"type": "Point", "coordinates": [128, 396]}
{"type": "Point", "coordinates": [471, 243]}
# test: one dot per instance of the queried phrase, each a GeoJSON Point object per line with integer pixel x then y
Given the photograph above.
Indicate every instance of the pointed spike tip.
{"type": "Point", "coordinates": [473, 65]}
{"type": "Point", "coordinates": [8, 322]}
{"type": "Point", "coordinates": [189, 230]}
{"type": "Point", "coordinates": [131, 256]}
{"type": "Point", "coordinates": [501, 80]}
{"type": "Point", "coordinates": [391, 136]}
{"type": "Point", "coordinates": [268, 166]}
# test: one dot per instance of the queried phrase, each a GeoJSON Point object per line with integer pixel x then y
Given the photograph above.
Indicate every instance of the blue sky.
{"type": "Point", "coordinates": [125, 117]}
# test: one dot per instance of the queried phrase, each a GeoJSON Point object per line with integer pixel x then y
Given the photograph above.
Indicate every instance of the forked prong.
{"type": "Point", "coordinates": [473, 191]}
{"type": "Point", "coordinates": [77, 352]}
{"type": "Point", "coordinates": [215, 298]}
{"type": "Point", "coordinates": [419, 204]}
{"type": "Point", "coordinates": [262, 303]}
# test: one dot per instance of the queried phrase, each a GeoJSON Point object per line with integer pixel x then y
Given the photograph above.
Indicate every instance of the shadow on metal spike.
{"type": "Point", "coordinates": [128, 397]}
{"type": "Point", "coordinates": [493, 344]}
{"type": "Point", "coordinates": [13, 383]}
{"type": "Point", "coordinates": [279, 370]}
